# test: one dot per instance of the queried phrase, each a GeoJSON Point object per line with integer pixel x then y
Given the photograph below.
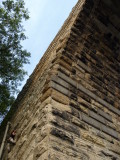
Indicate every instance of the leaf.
{"type": "Point", "coordinates": [12, 55]}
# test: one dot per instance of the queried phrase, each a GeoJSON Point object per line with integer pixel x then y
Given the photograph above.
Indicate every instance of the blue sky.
{"type": "Point", "coordinates": [46, 18]}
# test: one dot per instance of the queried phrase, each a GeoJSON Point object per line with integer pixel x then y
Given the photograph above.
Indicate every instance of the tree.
{"type": "Point", "coordinates": [12, 54]}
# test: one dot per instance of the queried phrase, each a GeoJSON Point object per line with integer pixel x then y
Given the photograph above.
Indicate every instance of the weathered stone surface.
{"type": "Point", "coordinates": [70, 106]}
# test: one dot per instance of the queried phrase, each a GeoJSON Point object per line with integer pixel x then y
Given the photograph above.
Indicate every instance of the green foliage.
{"type": "Point", "coordinates": [12, 54]}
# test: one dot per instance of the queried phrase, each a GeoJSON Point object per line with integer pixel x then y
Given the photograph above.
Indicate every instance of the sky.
{"type": "Point", "coordinates": [46, 18]}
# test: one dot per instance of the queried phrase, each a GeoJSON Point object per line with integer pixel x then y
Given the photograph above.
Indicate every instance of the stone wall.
{"type": "Point", "coordinates": [71, 108]}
